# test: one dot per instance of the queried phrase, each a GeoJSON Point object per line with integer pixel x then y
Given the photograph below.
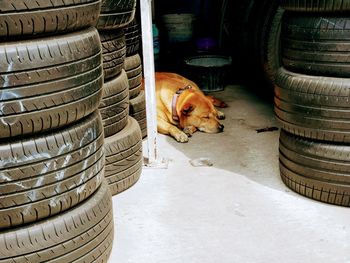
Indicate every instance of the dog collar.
{"type": "Point", "coordinates": [174, 102]}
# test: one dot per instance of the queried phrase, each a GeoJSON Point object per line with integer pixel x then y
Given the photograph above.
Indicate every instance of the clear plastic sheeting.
{"type": "Point", "coordinates": [49, 173]}
{"type": "Point", "coordinates": [49, 82]}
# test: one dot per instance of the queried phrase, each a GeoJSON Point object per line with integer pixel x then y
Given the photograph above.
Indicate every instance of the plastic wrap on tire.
{"type": "Point", "coordinates": [19, 18]}
{"type": "Point", "coordinates": [316, 45]}
{"type": "Point", "coordinates": [49, 83]}
{"type": "Point", "coordinates": [82, 234]}
{"type": "Point", "coordinates": [44, 175]}
{"type": "Point", "coordinates": [313, 107]}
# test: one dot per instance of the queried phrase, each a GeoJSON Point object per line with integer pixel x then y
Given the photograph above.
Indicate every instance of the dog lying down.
{"type": "Point", "coordinates": [182, 108]}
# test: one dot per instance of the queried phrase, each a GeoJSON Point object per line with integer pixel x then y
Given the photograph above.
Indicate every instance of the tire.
{"type": "Point", "coordinates": [316, 45]}
{"type": "Point", "coordinates": [120, 6]}
{"type": "Point", "coordinates": [135, 91]}
{"type": "Point", "coordinates": [114, 106]}
{"type": "Point", "coordinates": [313, 107]}
{"type": "Point", "coordinates": [116, 14]}
{"type": "Point", "coordinates": [49, 83]}
{"type": "Point", "coordinates": [273, 58]}
{"type": "Point", "coordinates": [132, 29]}
{"type": "Point", "coordinates": [261, 36]}
{"type": "Point", "coordinates": [315, 169]}
{"type": "Point", "coordinates": [250, 21]}
{"type": "Point", "coordinates": [84, 233]}
{"type": "Point", "coordinates": [135, 84]}
{"type": "Point", "coordinates": [114, 52]}
{"type": "Point", "coordinates": [138, 112]}
{"type": "Point", "coordinates": [47, 174]}
{"type": "Point", "coordinates": [316, 6]}
{"type": "Point", "coordinates": [133, 66]}
{"type": "Point", "coordinates": [132, 38]}
{"type": "Point", "coordinates": [27, 18]}
{"type": "Point", "coordinates": [123, 153]}
{"type": "Point", "coordinates": [132, 45]}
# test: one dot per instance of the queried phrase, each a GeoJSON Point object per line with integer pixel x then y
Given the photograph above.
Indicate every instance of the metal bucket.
{"type": "Point", "coordinates": [209, 72]}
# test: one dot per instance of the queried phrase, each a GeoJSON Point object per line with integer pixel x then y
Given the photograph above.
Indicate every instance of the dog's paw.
{"type": "Point", "coordinates": [189, 130]}
{"type": "Point", "coordinates": [221, 115]}
{"type": "Point", "coordinates": [181, 137]}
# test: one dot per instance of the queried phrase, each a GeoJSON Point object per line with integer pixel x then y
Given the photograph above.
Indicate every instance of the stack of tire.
{"type": "Point", "coordinates": [123, 140]}
{"type": "Point", "coordinates": [133, 68]}
{"type": "Point", "coordinates": [312, 95]}
{"type": "Point", "coordinates": [54, 202]}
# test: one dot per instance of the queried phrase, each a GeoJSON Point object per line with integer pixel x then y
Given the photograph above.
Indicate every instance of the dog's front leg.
{"type": "Point", "coordinates": [189, 130]}
{"type": "Point", "coordinates": [165, 127]}
{"type": "Point", "coordinates": [221, 115]}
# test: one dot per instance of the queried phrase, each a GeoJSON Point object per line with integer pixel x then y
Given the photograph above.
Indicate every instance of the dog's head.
{"type": "Point", "coordinates": [196, 110]}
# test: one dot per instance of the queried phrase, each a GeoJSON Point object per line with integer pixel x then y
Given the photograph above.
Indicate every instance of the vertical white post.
{"type": "Point", "coordinates": [149, 77]}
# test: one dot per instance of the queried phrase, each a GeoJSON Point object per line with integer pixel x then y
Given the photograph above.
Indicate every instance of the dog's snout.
{"type": "Point", "coordinates": [221, 127]}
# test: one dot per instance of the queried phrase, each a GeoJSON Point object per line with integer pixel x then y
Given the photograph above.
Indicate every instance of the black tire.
{"type": "Point", "coordinates": [316, 6]}
{"type": "Point", "coordinates": [133, 66]}
{"type": "Point", "coordinates": [114, 106]}
{"type": "Point", "coordinates": [135, 85]}
{"type": "Point", "coordinates": [313, 107]}
{"type": "Point", "coordinates": [132, 45]}
{"type": "Point", "coordinates": [132, 38]}
{"type": "Point", "coordinates": [114, 52]}
{"type": "Point", "coordinates": [28, 18]}
{"type": "Point", "coordinates": [261, 36]}
{"type": "Point", "coordinates": [134, 92]}
{"type": "Point", "coordinates": [116, 14]}
{"type": "Point", "coordinates": [316, 169]}
{"type": "Point", "coordinates": [132, 29]}
{"type": "Point", "coordinates": [50, 173]}
{"type": "Point", "coordinates": [82, 234]}
{"type": "Point", "coordinates": [119, 6]}
{"type": "Point", "coordinates": [273, 58]}
{"type": "Point", "coordinates": [49, 83]}
{"type": "Point", "coordinates": [135, 81]}
{"type": "Point", "coordinates": [250, 21]}
{"type": "Point", "coordinates": [138, 112]}
{"type": "Point", "coordinates": [316, 45]}
{"type": "Point", "coordinates": [124, 157]}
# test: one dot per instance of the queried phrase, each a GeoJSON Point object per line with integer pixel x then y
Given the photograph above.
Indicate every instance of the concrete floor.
{"type": "Point", "coordinates": [238, 210]}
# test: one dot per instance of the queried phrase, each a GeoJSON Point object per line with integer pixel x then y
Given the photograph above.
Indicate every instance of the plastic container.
{"type": "Point", "coordinates": [209, 72]}
{"type": "Point", "coordinates": [179, 27]}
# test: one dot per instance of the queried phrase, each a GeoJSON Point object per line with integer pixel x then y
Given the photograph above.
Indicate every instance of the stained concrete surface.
{"type": "Point", "coordinates": [237, 210]}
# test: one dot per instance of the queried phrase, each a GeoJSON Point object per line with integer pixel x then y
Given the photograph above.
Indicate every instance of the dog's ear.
{"type": "Point", "coordinates": [187, 109]}
{"type": "Point", "coordinates": [217, 102]}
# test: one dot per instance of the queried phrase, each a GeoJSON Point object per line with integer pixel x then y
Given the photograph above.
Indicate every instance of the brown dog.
{"type": "Point", "coordinates": [182, 108]}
